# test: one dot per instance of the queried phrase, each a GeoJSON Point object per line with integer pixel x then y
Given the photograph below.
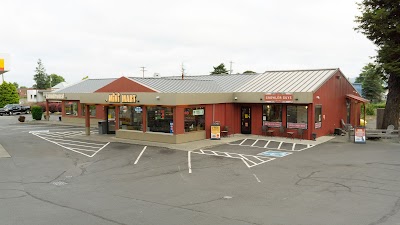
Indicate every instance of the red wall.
{"type": "Point", "coordinates": [124, 84]}
{"type": "Point", "coordinates": [332, 97]}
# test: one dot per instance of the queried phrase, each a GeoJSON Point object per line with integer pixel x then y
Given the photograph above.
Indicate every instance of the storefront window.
{"type": "Point", "coordinates": [130, 118]}
{"type": "Point", "coordinates": [194, 119]}
{"type": "Point", "coordinates": [92, 110]}
{"type": "Point", "coordinates": [318, 116]}
{"type": "Point", "coordinates": [160, 119]}
{"type": "Point", "coordinates": [71, 108]}
{"type": "Point", "coordinates": [272, 115]}
{"type": "Point", "coordinates": [297, 116]}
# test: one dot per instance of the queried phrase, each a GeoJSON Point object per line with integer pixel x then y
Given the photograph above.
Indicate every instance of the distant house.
{"type": "Point", "coordinates": [358, 87]}
{"type": "Point", "coordinates": [37, 95]}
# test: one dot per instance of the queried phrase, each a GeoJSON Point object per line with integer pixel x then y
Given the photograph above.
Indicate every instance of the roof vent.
{"type": "Point", "coordinates": [156, 75]}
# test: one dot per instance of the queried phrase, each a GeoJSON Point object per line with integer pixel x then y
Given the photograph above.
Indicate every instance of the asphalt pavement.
{"type": "Point", "coordinates": [56, 176]}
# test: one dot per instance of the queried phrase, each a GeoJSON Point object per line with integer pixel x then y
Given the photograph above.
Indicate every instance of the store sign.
{"type": "Point", "coordinates": [121, 98]}
{"type": "Point", "coordinates": [359, 135]}
{"type": "Point", "coordinates": [54, 96]}
{"type": "Point", "coordinates": [297, 125]}
{"type": "Point", "coordinates": [318, 125]}
{"type": "Point", "coordinates": [272, 124]}
{"type": "Point", "coordinates": [198, 112]}
{"type": "Point", "coordinates": [1, 64]}
{"type": "Point", "coordinates": [278, 98]}
{"type": "Point", "coordinates": [215, 132]}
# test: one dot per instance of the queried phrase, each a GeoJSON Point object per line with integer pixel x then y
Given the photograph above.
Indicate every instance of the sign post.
{"type": "Point", "coordinates": [359, 135]}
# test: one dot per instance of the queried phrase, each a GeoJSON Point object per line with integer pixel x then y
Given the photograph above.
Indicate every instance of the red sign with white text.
{"type": "Point", "coordinates": [278, 98]}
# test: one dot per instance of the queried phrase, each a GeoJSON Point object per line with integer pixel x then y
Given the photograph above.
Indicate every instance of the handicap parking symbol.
{"type": "Point", "coordinates": [274, 154]}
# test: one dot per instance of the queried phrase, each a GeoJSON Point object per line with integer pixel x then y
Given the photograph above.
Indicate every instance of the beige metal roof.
{"type": "Point", "coordinates": [86, 86]}
{"type": "Point", "coordinates": [288, 81]}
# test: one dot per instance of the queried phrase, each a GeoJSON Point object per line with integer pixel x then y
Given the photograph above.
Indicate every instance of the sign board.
{"type": "Point", "coordinates": [198, 112]}
{"type": "Point", "coordinates": [121, 98]}
{"type": "Point", "coordinates": [318, 125]}
{"type": "Point", "coordinates": [215, 132]}
{"type": "Point", "coordinates": [54, 96]}
{"type": "Point", "coordinates": [272, 124]}
{"type": "Point", "coordinates": [297, 125]}
{"type": "Point", "coordinates": [171, 127]}
{"type": "Point", "coordinates": [277, 154]}
{"type": "Point", "coordinates": [278, 98]}
{"type": "Point", "coordinates": [2, 65]}
{"type": "Point", "coordinates": [359, 135]}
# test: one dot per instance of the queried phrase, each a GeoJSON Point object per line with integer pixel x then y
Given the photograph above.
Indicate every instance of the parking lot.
{"type": "Point", "coordinates": [55, 177]}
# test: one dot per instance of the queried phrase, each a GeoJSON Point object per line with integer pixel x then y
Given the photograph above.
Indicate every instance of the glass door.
{"type": "Point", "coordinates": [246, 120]}
{"type": "Point", "coordinates": [111, 120]}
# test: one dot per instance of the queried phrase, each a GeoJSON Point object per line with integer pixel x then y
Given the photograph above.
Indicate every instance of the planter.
{"type": "Point", "coordinates": [21, 119]}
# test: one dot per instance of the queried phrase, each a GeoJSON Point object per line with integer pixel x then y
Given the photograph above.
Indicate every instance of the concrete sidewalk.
{"type": "Point", "coordinates": [189, 146]}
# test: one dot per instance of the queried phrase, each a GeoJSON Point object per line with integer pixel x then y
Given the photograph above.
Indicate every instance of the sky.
{"type": "Point", "coordinates": [103, 39]}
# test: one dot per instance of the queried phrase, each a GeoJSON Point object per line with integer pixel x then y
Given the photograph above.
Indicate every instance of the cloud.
{"type": "Point", "coordinates": [111, 39]}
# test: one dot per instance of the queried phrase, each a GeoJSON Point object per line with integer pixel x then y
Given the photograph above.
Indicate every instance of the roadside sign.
{"type": "Point", "coordinates": [274, 154]}
{"type": "Point", "coordinates": [359, 135]}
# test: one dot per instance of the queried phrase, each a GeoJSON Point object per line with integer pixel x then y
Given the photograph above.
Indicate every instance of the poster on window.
{"type": "Point", "coordinates": [297, 125]}
{"type": "Point", "coordinates": [272, 124]}
{"type": "Point", "coordinates": [318, 125]}
{"type": "Point", "coordinates": [359, 135]}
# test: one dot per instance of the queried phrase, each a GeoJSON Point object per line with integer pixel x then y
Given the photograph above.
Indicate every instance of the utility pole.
{"type": "Point", "coordinates": [183, 71]}
{"type": "Point", "coordinates": [143, 69]}
{"type": "Point", "coordinates": [230, 68]}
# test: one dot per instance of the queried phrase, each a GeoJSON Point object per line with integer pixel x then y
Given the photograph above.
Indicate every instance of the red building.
{"type": "Point", "coordinates": [174, 110]}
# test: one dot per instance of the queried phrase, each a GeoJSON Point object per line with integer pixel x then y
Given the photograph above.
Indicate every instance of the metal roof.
{"type": "Point", "coordinates": [171, 85]}
{"type": "Point", "coordinates": [86, 86]}
{"type": "Point", "coordinates": [288, 81]}
{"type": "Point", "coordinates": [228, 82]}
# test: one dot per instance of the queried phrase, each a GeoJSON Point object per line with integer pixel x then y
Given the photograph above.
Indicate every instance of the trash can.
{"type": "Point", "coordinates": [102, 127]}
{"type": "Point", "coordinates": [59, 118]}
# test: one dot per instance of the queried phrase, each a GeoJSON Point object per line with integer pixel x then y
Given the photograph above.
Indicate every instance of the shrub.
{"type": "Point", "coordinates": [370, 109]}
{"type": "Point", "coordinates": [36, 112]}
{"type": "Point", "coordinates": [53, 106]}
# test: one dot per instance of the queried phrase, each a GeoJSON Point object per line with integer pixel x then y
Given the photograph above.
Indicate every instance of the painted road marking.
{"type": "Point", "coordinates": [189, 162]}
{"type": "Point", "coordinates": [249, 160]}
{"type": "Point", "coordinates": [257, 178]}
{"type": "Point", "coordinates": [86, 148]}
{"type": "Point", "coordinates": [274, 154]}
{"type": "Point", "coordinates": [140, 155]}
{"type": "Point", "coordinates": [278, 143]}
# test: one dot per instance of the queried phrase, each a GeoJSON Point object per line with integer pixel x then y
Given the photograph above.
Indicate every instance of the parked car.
{"type": "Point", "coordinates": [11, 109]}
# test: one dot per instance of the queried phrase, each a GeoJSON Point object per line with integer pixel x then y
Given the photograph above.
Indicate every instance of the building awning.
{"type": "Point", "coordinates": [357, 98]}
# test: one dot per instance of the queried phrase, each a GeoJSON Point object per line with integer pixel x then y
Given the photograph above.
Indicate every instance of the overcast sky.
{"type": "Point", "coordinates": [103, 39]}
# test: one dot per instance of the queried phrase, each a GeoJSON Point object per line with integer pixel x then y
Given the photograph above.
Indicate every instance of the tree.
{"type": "Point", "coordinates": [55, 79]}
{"type": "Point", "coordinates": [41, 78]}
{"type": "Point", "coordinates": [23, 87]}
{"type": "Point", "coordinates": [8, 94]}
{"type": "Point", "coordinates": [249, 72]}
{"type": "Point", "coordinates": [220, 69]}
{"type": "Point", "coordinates": [16, 85]}
{"type": "Point", "coordinates": [372, 82]}
{"type": "Point", "coordinates": [379, 21]}
{"type": "Point", "coordinates": [86, 77]}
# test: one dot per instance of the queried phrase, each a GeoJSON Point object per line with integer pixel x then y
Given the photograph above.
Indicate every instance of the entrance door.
{"type": "Point", "coordinates": [111, 120]}
{"type": "Point", "coordinates": [246, 120]}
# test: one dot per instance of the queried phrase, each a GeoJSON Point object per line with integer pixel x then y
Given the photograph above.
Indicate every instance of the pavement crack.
{"type": "Point", "coordinates": [198, 203]}
{"type": "Point", "coordinates": [57, 177]}
{"type": "Point", "coordinates": [304, 178]}
{"type": "Point", "coordinates": [395, 209]}
{"type": "Point", "coordinates": [79, 210]}
{"type": "Point", "coordinates": [189, 209]}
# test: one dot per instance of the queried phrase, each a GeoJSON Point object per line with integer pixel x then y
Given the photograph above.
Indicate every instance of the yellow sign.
{"type": "Point", "coordinates": [1, 64]}
{"type": "Point", "coordinates": [215, 132]}
{"type": "Point", "coordinates": [128, 98]}
{"type": "Point", "coordinates": [117, 97]}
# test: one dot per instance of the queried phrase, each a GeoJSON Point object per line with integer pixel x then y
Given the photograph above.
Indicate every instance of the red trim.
{"type": "Point", "coordinates": [357, 98]}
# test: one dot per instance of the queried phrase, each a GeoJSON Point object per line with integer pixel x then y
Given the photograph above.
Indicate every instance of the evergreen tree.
{"type": "Point", "coordinates": [16, 85]}
{"type": "Point", "coordinates": [372, 83]}
{"type": "Point", "coordinates": [220, 69]}
{"type": "Point", "coordinates": [249, 72]}
{"type": "Point", "coordinates": [379, 21]}
{"type": "Point", "coordinates": [40, 77]}
{"type": "Point", "coordinates": [8, 94]}
{"type": "Point", "coordinates": [55, 79]}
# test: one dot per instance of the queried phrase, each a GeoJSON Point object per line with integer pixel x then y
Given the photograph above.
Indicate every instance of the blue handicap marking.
{"type": "Point", "coordinates": [274, 153]}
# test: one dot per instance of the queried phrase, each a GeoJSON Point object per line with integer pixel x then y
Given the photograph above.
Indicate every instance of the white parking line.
{"type": "Point", "coordinates": [140, 155]}
{"type": "Point", "coordinates": [257, 178]}
{"type": "Point", "coordinates": [189, 162]}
